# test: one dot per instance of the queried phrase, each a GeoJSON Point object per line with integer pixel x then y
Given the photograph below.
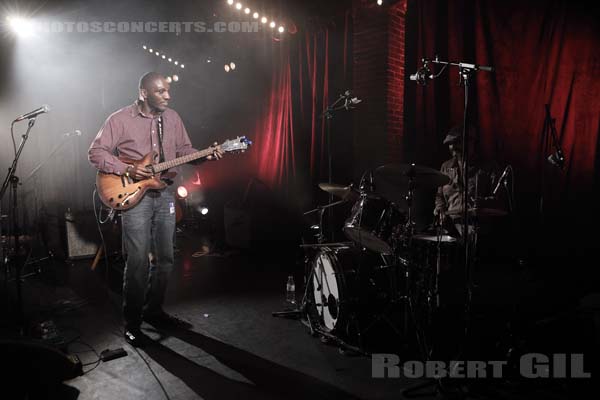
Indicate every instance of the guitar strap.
{"type": "Point", "coordinates": [160, 139]}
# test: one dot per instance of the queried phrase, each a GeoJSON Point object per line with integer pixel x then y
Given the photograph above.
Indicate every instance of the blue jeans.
{"type": "Point", "coordinates": [148, 227]}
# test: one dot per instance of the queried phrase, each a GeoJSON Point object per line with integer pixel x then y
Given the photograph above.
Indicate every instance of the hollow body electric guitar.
{"type": "Point", "coordinates": [121, 192]}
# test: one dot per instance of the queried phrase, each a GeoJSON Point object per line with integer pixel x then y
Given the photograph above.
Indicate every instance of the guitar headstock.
{"type": "Point", "coordinates": [241, 144]}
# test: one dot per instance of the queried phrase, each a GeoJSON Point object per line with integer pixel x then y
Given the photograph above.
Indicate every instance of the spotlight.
{"type": "Point", "coordinates": [203, 210]}
{"type": "Point", "coordinates": [176, 62]}
{"type": "Point", "coordinates": [163, 56]}
{"type": "Point", "coordinates": [151, 51]}
{"type": "Point", "coordinates": [175, 78]}
{"type": "Point", "coordinates": [379, 2]}
{"type": "Point", "coordinates": [227, 68]}
{"type": "Point", "coordinates": [238, 6]}
{"type": "Point", "coordinates": [230, 2]}
{"type": "Point", "coordinates": [208, 60]}
{"type": "Point", "coordinates": [170, 59]}
{"type": "Point", "coordinates": [144, 47]}
{"type": "Point", "coordinates": [182, 66]}
{"type": "Point", "coordinates": [182, 192]}
{"type": "Point", "coordinates": [232, 65]}
{"type": "Point", "coordinates": [281, 29]}
{"type": "Point", "coordinates": [246, 10]}
{"type": "Point", "coordinates": [255, 15]}
{"type": "Point", "coordinates": [20, 26]}
{"type": "Point", "coordinates": [168, 79]}
{"type": "Point", "coordinates": [263, 20]}
{"type": "Point", "coordinates": [272, 24]}
{"type": "Point", "coordinates": [157, 53]}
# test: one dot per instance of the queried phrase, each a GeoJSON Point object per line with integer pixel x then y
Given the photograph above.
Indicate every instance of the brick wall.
{"type": "Point", "coordinates": [378, 79]}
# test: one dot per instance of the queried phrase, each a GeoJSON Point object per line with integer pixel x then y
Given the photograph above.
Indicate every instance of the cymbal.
{"type": "Point", "coordinates": [481, 212]}
{"type": "Point", "coordinates": [347, 193]}
{"type": "Point", "coordinates": [402, 174]}
{"type": "Point", "coordinates": [435, 238]}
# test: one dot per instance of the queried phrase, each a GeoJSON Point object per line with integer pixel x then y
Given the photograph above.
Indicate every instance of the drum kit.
{"type": "Point", "coordinates": [386, 271]}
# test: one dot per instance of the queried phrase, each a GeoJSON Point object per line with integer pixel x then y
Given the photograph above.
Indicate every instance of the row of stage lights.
{"type": "Point", "coordinates": [163, 56]}
{"type": "Point", "coordinates": [228, 67]}
{"type": "Point", "coordinates": [239, 6]}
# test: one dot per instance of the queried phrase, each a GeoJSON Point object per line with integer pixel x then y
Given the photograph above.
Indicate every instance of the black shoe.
{"type": "Point", "coordinates": [136, 337]}
{"type": "Point", "coordinates": [166, 321]}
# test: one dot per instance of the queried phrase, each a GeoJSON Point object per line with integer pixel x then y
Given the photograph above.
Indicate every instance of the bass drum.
{"type": "Point", "coordinates": [344, 286]}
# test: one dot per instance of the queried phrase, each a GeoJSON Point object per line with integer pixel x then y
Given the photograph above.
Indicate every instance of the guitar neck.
{"type": "Point", "coordinates": [163, 166]}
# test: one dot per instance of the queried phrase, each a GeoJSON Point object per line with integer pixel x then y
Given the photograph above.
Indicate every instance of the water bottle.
{"type": "Point", "coordinates": [290, 290]}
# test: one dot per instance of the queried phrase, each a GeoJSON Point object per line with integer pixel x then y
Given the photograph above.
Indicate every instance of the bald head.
{"type": "Point", "coordinates": [154, 92]}
{"type": "Point", "coordinates": [148, 78]}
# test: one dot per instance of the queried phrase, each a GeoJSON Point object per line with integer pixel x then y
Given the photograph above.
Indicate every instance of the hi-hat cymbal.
{"type": "Point", "coordinates": [348, 193]}
{"type": "Point", "coordinates": [403, 174]}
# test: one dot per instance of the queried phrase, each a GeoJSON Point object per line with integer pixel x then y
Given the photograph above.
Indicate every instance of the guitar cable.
{"type": "Point", "coordinates": [99, 221]}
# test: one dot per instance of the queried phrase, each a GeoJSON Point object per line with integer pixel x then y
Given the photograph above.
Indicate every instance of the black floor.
{"type": "Point", "coordinates": [236, 349]}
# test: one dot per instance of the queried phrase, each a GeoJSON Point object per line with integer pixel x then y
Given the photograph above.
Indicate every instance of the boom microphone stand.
{"type": "Point", "coordinates": [13, 180]}
{"type": "Point", "coordinates": [466, 72]}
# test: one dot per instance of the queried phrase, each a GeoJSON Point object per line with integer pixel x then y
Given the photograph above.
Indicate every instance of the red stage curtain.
{"type": "Point", "coordinates": [543, 52]}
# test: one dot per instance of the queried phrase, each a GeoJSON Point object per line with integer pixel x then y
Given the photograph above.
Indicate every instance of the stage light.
{"type": "Point", "coordinates": [182, 192]}
{"type": "Point", "coordinates": [168, 79]}
{"type": "Point", "coordinates": [238, 6]}
{"type": "Point", "coordinates": [144, 47]}
{"type": "Point", "coordinates": [203, 210]}
{"type": "Point", "coordinates": [20, 26]}
{"type": "Point", "coordinates": [272, 24]}
{"type": "Point", "coordinates": [176, 62]}
{"type": "Point", "coordinates": [255, 15]}
{"type": "Point", "coordinates": [263, 20]}
{"type": "Point", "coordinates": [281, 29]}
{"type": "Point", "coordinates": [151, 51]}
{"type": "Point", "coordinates": [246, 10]}
{"type": "Point", "coordinates": [175, 78]}
{"type": "Point", "coordinates": [379, 2]}
{"type": "Point", "coordinates": [157, 53]}
{"type": "Point", "coordinates": [182, 66]}
{"type": "Point", "coordinates": [232, 65]}
{"type": "Point", "coordinates": [163, 56]}
{"type": "Point", "coordinates": [226, 67]}
{"type": "Point", "coordinates": [230, 2]}
{"type": "Point", "coordinates": [170, 59]}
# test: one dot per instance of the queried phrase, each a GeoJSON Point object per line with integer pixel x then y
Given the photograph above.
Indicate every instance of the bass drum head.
{"type": "Point", "coordinates": [326, 288]}
{"type": "Point", "coordinates": [343, 285]}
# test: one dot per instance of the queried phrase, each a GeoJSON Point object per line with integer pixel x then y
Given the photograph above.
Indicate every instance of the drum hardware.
{"type": "Point", "coordinates": [321, 210]}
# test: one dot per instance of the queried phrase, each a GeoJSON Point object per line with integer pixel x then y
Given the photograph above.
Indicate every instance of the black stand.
{"type": "Point", "coordinates": [557, 158]}
{"type": "Point", "coordinates": [328, 113]}
{"type": "Point", "coordinates": [12, 180]}
{"type": "Point", "coordinates": [465, 74]}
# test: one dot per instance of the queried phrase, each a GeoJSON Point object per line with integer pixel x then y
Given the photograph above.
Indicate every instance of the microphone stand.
{"type": "Point", "coordinates": [466, 72]}
{"type": "Point", "coordinates": [13, 180]}
{"type": "Point", "coordinates": [328, 114]}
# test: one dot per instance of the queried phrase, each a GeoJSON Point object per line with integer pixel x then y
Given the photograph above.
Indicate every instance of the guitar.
{"type": "Point", "coordinates": [121, 192]}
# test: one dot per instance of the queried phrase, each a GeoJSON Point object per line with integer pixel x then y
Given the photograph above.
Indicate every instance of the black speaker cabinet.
{"type": "Point", "coordinates": [82, 237]}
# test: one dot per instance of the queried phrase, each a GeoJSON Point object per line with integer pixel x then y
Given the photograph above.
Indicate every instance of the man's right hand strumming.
{"type": "Point", "coordinates": [138, 172]}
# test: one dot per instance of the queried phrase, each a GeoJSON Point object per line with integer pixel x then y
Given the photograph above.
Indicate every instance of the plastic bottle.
{"type": "Point", "coordinates": [290, 290]}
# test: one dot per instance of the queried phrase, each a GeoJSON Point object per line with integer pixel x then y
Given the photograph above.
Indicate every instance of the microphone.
{"type": "Point", "coordinates": [557, 159]}
{"type": "Point", "coordinates": [421, 75]}
{"type": "Point", "coordinates": [502, 178]}
{"type": "Point", "coordinates": [350, 102]}
{"type": "Point", "coordinates": [43, 109]}
{"type": "Point", "coordinates": [76, 132]}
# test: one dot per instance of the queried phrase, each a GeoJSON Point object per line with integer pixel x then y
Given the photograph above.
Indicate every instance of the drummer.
{"type": "Point", "coordinates": [449, 198]}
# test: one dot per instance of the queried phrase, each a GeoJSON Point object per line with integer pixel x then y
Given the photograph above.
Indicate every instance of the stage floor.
{"type": "Point", "coordinates": [236, 349]}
